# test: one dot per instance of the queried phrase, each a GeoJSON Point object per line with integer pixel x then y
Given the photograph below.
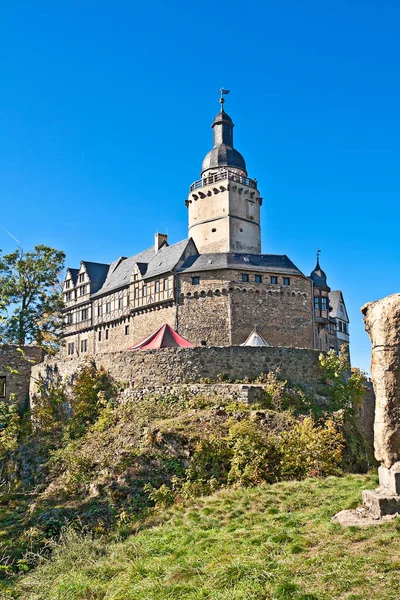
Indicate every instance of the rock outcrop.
{"type": "Point", "coordinates": [382, 322]}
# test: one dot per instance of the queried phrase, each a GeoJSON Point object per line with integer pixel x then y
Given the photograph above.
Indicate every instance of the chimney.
{"type": "Point", "coordinates": [159, 240]}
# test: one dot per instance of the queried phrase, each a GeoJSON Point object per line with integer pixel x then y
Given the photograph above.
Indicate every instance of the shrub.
{"type": "Point", "coordinates": [10, 427]}
{"type": "Point", "coordinates": [309, 449]}
{"type": "Point", "coordinates": [255, 454]}
{"type": "Point", "coordinates": [346, 385]}
{"type": "Point", "coordinates": [210, 460]}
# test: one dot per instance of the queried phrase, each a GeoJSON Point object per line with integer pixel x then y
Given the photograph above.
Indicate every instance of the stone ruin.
{"type": "Point", "coordinates": [382, 322]}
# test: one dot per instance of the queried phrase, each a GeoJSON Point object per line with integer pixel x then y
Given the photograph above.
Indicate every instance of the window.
{"type": "Point", "coordinates": [166, 284]}
{"type": "Point", "coordinates": [126, 329]}
{"type": "Point", "coordinates": [213, 230]}
{"type": "Point", "coordinates": [82, 290]}
{"type": "Point", "coordinates": [68, 296]}
{"type": "Point", "coordinates": [81, 277]}
{"type": "Point", "coordinates": [157, 287]}
{"type": "Point", "coordinates": [67, 283]}
{"type": "Point", "coordinates": [69, 319]}
{"type": "Point", "coordinates": [84, 314]}
{"type": "Point", "coordinates": [144, 291]}
{"type": "Point", "coordinates": [340, 326]}
{"type": "Point", "coordinates": [108, 307]}
{"type": "Point", "coordinates": [245, 277]}
{"type": "Point", "coordinates": [324, 303]}
{"type": "Point", "coordinates": [274, 279]}
{"type": "Point", "coordinates": [344, 328]}
{"type": "Point", "coordinates": [136, 292]}
{"type": "Point", "coordinates": [71, 348]}
{"type": "Point", "coordinates": [3, 386]}
{"type": "Point", "coordinates": [107, 332]}
{"type": "Point", "coordinates": [83, 345]}
{"type": "Point", "coordinates": [100, 336]}
{"type": "Point", "coordinates": [286, 281]}
{"type": "Point", "coordinates": [120, 303]}
{"type": "Point", "coordinates": [258, 278]}
{"type": "Point", "coordinates": [326, 338]}
{"type": "Point", "coordinates": [196, 280]}
{"type": "Point", "coordinates": [99, 310]}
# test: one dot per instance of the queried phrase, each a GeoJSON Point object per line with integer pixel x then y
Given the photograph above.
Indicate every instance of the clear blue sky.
{"type": "Point", "coordinates": [106, 108]}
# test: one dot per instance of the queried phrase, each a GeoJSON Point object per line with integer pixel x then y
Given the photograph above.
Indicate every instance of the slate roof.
{"type": "Point", "coordinates": [120, 270]}
{"type": "Point", "coordinates": [334, 298]}
{"type": "Point", "coordinates": [166, 259]}
{"type": "Point", "coordinates": [273, 263]}
{"type": "Point", "coordinates": [74, 274]}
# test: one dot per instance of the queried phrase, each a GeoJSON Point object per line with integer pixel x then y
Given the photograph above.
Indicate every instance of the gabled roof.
{"type": "Point", "coordinates": [273, 263]}
{"type": "Point", "coordinates": [335, 298]}
{"type": "Point", "coordinates": [255, 339]}
{"type": "Point", "coordinates": [74, 274]}
{"type": "Point", "coordinates": [166, 259]}
{"type": "Point", "coordinates": [119, 271]}
{"type": "Point", "coordinates": [165, 337]}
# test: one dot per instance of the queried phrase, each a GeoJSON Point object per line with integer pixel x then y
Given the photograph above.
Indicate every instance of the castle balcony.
{"type": "Point", "coordinates": [223, 176]}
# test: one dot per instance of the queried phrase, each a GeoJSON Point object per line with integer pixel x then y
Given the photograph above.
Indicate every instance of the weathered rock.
{"type": "Point", "coordinates": [382, 322]}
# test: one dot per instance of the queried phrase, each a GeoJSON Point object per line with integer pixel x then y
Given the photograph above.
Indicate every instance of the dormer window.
{"type": "Point", "coordinates": [67, 283]}
{"type": "Point", "coordinates": [81, 277]}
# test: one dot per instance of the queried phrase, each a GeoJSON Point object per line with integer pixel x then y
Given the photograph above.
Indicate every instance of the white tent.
{"type": "Point", "coordinates": [255, 339]}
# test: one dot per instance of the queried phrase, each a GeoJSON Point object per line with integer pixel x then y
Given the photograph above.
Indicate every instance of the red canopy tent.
{"type": "Point", "coordinates": [165, 337]}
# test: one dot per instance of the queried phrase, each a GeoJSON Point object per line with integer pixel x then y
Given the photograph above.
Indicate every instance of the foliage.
{"type": "Point", "coordinates": [313, 450]}
{"type": "Point", "coordinates": [256, 454]}
{"type": "Point", "coordinates": [10, 426]}
{"type": "Point", "coordinates": [29, 284]}
{"type": "Point", "coordinates": [346, 385]}
{"type": "Point", "coordinates": [210, 460]}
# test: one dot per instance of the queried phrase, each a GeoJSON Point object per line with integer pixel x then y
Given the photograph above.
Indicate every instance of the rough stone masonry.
{"type": "Point", "coordinates": [382, 322]}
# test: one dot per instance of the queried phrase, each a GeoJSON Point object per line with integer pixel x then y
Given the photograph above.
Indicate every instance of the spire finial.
{"type": "Point", "coordinates": [222, 92]}
{"type": "Point", "coordinates": [318, 253]}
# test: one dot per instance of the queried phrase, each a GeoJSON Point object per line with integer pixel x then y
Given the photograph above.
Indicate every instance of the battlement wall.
{"type": "Point", "coordinates": [16, 363]}
{"type": "Point", "coordinates": [156, 369]}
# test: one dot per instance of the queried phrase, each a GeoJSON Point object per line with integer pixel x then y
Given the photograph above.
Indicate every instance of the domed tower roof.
{"type": "Point", "coordinates": [223, 154]}
{"type": "Point", "coordinates": [319, 277]}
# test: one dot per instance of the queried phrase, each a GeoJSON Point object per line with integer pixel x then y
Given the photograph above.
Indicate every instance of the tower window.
{"type": "Point", "coordinates": [195, 280]}
{"type": "Point", "coordinates": [274, 279]}
{"type": "Point", "coordinates": [245, 277]}
{"type": "Point", "coordinates": [316, 302]}
{"type": "Point", "coordinates": [126, 329]}
{"type": "Point", "coordinates": [258, 278]}
{"type": "Point", "coordinates": [286, 281]}
{"type": "Point", "coordinates": [107, 332]}
{"type": "Point", "coordinates": [324, 303]}
{"type": "Point", "coordinates": [157, 287]}
{"type": "Point", "coordinates": [213, 230]}
{"type": "Point", "coordinates": [100, 335]}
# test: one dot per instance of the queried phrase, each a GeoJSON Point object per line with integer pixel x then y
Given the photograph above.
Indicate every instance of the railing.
{"type": "Point", "coordinates": [231, 175]}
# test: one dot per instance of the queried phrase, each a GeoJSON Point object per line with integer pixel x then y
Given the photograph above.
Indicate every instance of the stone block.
{"type": "Point", "coordinates": [389, 479]}
{"type": "Point", "coordinates": [380, 502]}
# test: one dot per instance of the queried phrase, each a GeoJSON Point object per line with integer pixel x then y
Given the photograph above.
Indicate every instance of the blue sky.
{"type": "Point", "coordinates": [106, 107]}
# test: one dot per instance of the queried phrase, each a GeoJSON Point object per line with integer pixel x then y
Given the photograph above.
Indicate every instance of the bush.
{"type": "Point", "coordinates": [311, 450]}
{"type": "Point", "coordinates": [255, 454]}
{"type": "Point", "coordinates": [10, 427]}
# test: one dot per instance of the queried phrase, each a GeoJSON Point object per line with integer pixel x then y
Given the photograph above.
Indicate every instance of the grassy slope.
{"type": "Point", "coordinates": [268, 542]}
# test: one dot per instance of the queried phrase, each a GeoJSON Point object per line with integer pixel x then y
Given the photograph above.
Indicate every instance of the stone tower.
{"type": "Point", "coordinates": [224, 205]}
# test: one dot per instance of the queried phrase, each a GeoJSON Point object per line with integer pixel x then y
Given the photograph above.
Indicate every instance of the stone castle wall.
{"type": "Point", "coordinates": [159, 368]}
{"type": "Point", "coordinates": [22, 362]}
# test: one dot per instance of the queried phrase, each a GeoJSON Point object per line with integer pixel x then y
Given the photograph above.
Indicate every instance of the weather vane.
{"type": "Point", "coordinates": [222, 92]}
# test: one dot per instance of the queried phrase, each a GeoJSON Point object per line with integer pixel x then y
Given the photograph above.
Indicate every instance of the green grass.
{"type": "Point", "coordinates": [269, 542]}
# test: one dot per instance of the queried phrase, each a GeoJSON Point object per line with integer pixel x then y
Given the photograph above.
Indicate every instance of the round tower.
{"type": "Point", "coordinates": [224, 205]}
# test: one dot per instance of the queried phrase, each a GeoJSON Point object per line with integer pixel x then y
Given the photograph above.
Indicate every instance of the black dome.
{"type": "Point", "coordinates": [319, 278]}
{"type": "Point", "coordinates": [223, 153]}
{"type": "Point", "coordinates": [223, 156]}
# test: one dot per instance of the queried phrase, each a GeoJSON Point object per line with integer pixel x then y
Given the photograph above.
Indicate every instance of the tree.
{"type": "Point", "coordinates": [30, 293]}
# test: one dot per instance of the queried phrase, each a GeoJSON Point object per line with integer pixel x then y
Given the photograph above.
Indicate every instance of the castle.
{"type": "Point", "coordinates": [212, 287]}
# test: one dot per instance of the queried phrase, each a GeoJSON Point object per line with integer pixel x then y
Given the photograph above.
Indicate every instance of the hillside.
{"type": "Point", "coordinates": [268, 542]}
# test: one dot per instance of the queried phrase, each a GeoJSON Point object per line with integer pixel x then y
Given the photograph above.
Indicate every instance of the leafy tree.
{"type": "Point", "coordinates": [347, 385]}
{"type": "Point", "coordinates": [30, 292]}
